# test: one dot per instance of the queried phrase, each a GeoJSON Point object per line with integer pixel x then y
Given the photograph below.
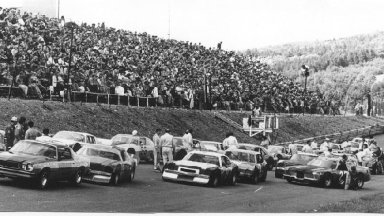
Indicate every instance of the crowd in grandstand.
{"type": "Point", "coordinates": [35, 54]}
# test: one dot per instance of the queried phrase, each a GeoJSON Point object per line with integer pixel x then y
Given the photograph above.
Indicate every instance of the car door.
{"type": "Point", "coordinates": [66, 163]}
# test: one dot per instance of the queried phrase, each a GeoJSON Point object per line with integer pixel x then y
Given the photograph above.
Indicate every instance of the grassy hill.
{"type": "Point", "coordinates": [105, 122]}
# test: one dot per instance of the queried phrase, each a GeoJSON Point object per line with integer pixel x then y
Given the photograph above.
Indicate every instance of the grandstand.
{"type": "Point", "coordinates": [36, 57]}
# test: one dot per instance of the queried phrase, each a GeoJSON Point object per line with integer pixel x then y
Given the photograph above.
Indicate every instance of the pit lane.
{"type": "Point", "coordinates": [148, 193]}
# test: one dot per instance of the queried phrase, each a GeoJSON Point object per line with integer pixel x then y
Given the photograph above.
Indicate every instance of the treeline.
{"type": "Point", "coordinates": [343, 69]}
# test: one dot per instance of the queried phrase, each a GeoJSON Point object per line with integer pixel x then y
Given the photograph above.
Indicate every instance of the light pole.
{"type": "Point", "coordinates": [305, 73]}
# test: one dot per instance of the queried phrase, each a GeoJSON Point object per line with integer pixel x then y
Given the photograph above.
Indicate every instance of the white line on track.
{"type": "Point", "coordinates": [258, 189]}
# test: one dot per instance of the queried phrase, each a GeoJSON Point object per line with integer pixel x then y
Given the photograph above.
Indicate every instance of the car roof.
{"type": "Point", "coordinates": [242, 150]}
{"type": "Point", "coordinates": [207, 153]}
{"type": "Point", "coordinates": [51, 143]}
{"type": "Point", "coordinates": [130, 135]}
{"type": "Point", "coordinates": [76, 132]}
{"type": "Point", "coordinates": [306, 153]}
{"type": "Point", "coordinates": [103, 147]}
{"type": "Point", "coordinates": [204, 141]}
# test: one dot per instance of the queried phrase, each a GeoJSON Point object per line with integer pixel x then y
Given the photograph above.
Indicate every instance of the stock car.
{"type": "Point", "coordinates": [300, 158]}
{"type": "Point", "coordinates": [43, 162]}
{"type": "Point", "coordinates": [74, 139]}
{"type": "Point", "coordinates": [322, 171]}
{"type": "Point", "coordinates": [251, 164]}
{"type": "Point", "coordinates": [142, 145]}
{"type": "Point", "coordinates": [202, 167]}
{"type": "Point", "coordinates": [268, 157]}
{"type": "Point", "coordinates": [108, 164]}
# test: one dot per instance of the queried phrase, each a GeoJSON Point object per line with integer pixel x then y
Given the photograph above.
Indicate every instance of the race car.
{"type": "Point", "coordinates": [2, 140]}
{"type": "Point", "coordinates": [142, 145]}
{"type": "Point", "coordinates": [201, 167]}
{"type": "Point", "coordinates": [300, 158]}
{"type": "Point", "coordinates": [43, 162]}
{"type": "Point", "coordinates": [108, 164]}
{"type": "Point", "coordinates": [74, 139]}
{"type": "Point", "coordinates": [322, 171]}
{"type": "Point", "coordinates": [267, 156]}
{"type": "Point", "coordinates": [251, 164]}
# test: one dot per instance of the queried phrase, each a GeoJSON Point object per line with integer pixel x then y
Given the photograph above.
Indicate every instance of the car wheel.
{"type": "Point", "coordinates": [255, 178]}
{"type": "Point", "coordinates": [289, 180]}
{"type": "Point", "coordinates": [264, 177]}
{"type": "Point", "coordinates": [379, 168]}
{"type": "Point", "coordinates": [214, 180]}
{"type": "Point", "coordinates": [115, 179]}
{"type": "Point", "coordinates": [131, 175]}
{"type": "Point", "coordinates": [77, 178]}
{"type": "Point", "coordinates": [327, 182]}
{"type": "Point", "coordinates": [44, 179]}
{"type": "Point", "coordinates": [360, 181]}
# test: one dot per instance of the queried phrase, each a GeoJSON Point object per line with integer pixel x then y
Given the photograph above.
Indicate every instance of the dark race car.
{"type": "Point", "coordinates": [323, 171]}
{"type": "Point", "coordinates": [250, 163]}
{"type": "Point", "coordinates": [279, 152]}
{"type": "Point", "coordinates": [142, 145]}
{"type": "Point", "coordinates": [108, 164]}
{"type": "Point", "coordinates": [300, 158]}
{"type": "Point", "coordinates": [43, 162]}
{"type": "Point", "coordinates": [201, 167]}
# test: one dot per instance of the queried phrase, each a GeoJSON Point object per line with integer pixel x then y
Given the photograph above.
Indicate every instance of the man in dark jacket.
{"type": "Point", "coordinates": [10, 133]}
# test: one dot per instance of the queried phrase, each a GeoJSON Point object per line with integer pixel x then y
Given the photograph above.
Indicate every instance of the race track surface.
{"type": "Point", "coordinates": [148, 193]}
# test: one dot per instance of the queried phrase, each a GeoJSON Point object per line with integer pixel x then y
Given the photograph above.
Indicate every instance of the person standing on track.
{"type": "Point", "coordinates": [156, 149]}
{"type": "Point", "coordinates": [20, 130]}
{"type": "Point", "coordinates": [167, 147]}
{"type": "Point", "coordinates": [32, 133]}
{"type": "Point", "coordinates": [230, 141]}
{"type": "Point", "coordinates": [10, 133]}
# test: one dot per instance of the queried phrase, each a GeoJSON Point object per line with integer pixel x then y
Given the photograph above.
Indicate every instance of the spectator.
{"type": "Point", "coordinates": [20, 130]}
{"type": "Point", "coordinates": [265, 141]}
{"type": "Point", "coordinates": [10, 133]}
{"type": "Point", "coordinates": [307, 148]}
{"type": "Point", "coordinates": [156, 150]}
{"type": "Point", "coordinates": [32, 132]}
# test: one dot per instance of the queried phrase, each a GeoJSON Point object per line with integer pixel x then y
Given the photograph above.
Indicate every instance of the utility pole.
{"type": "Point", "coordinates": [305, 73]}
{"type": "Point", "coordinates": [71, 25]}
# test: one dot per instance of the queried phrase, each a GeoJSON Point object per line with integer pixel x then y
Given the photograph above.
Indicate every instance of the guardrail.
{"type": "Point", "coordinates": [342, 136]}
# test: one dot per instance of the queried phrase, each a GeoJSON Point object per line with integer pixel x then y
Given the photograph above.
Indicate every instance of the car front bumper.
{"type": "Point", "coordinates": [98, 176]}
{"type": "Point", "coordinates": [304, 179]}
{"type": "Point", "coordinates": [178, 176]}
{"type": "Point", "coordinates": [279, 172]}
{"type": "Point", "coordinates": [16, 173]}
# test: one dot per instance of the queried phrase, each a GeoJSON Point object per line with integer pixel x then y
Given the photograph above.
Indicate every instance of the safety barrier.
{"type": "Point", "coordinates": [346, 135]}
{"type": "Point", "coordinates": [112, 99]}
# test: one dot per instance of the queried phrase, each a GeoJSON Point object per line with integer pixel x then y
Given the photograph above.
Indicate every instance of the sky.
{"type": "Point", "coordinates": [239, 24]}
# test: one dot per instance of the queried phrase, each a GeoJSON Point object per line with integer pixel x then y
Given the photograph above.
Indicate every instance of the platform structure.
{"type": "Point", "coordinates": [263, 124]}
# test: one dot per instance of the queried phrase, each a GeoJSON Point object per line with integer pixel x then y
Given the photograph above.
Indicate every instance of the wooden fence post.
{"type": "Point", "coordinates": [86, 97]}
{"type": "Point", "coordinates": [138, 98]}
{"type": "Point", "coordinates": [147, 101]}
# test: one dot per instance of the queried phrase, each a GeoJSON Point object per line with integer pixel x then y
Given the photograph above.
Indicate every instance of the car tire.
{"type": "Point", "coordinates": [115, 179]}
{"type": "Point", "coordinates": [360, 181]}
{"type": "Point", "coordinates": [278, 175]}
{"type": "Point", "coordinates": [43, 179]}
{"type": "Point", "coordinates": [131, 175]}
{"type": "Point", "coordinates": [77, 178]}
{"type": "Point", "coordinates": [288, 180]}
{"type": "Point", "coordinates": [327, 181]}
{"type": "Point", "coordinates": [255, 178]}
{"type": "Point", "coordinates": [379, 168]}
{"type": "Point", "coordinates": [214, 181]}
{"type": "Point", "coordinates": [264, 177]}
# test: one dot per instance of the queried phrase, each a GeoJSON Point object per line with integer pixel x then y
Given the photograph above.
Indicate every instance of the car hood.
{"type": "Point", "coordinates": [294, 163]}
{"type": "Point", "coordinates": [19, 157]}
{"type": "Point", "coordinates": [66, 141]}
{"type": "Point", "coordinates": [194, 164]}
{"type": "Point", "coordinates": [101, 160]}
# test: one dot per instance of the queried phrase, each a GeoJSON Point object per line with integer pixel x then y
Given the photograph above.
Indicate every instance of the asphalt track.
{"type": "Point", "coordinates": [148, 193]}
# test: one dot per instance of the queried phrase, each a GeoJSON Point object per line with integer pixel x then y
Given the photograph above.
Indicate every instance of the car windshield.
{"type": "Point", "coordinates": [300, 157]}
{"type": "Point", "coordinates": [34, 148]}
{"type": "Point", "coordinates": [299, 147]}
{"type": "Point", "coordinates": [355, 145]}
{"type": "Point", "coordinates": [209, 146]}
{"type": "Point", "coordinates": [323, 163]}
{"type": "Point", "coordinates": [99, 153]}
{"type": "Point", "coordinates": [69, 136]}
{"type": "Point", "coordinates": [125, 140]}
{"type": "Point", "coordinates": [275, 149]}
{"type": "Point", "coordinates": [239, 156]}
{"type": "Point", "coordinates": [202, 158]}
